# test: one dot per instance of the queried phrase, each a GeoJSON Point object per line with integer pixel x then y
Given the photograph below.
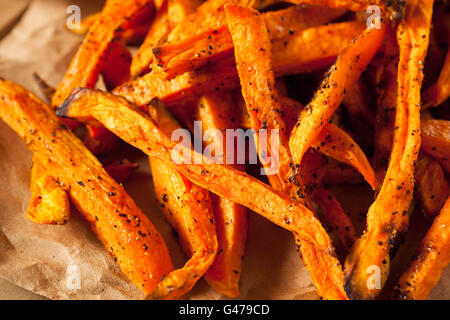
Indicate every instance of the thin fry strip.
{"type": "Point", "coordinates": [326, 41]}
{"type": "Point", "coordinates": [252, 49]}
{"type": "Point", "coordinates": [436, 141]}
{"type": "Point", "coordinates": [188, 208]}
{"type": "Point", "coordinates": [87, 63]}
{"type": "Point", "coordinates": [217, 113]}
{"type": "Point", "coordinates": [431, 258]}
{"type": "Point", "coordinates": [49, 203]}
{"type": "Point", "coordinates": [137, 129]}
{"type": "Point", "coordinates": [121, 226]}
{"type": "Point", "coordinates": [387, 217]}
{"type": "Point", "coordinates": [347, 69]}
{"type": "Point", "coordinates": [387, 100]}
{"type": "Point", "coordinates": [334, 142]}
{"type": "Point", "coordinates": [196, 51]}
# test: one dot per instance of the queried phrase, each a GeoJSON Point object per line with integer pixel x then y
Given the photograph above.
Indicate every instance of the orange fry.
{"type": "Point", "coordinates": [387, 217]}
{"type": "Point", "coordinates": [217, 113]}
{"type": "Point", "coordinates": [427, 265]}
{"type": "Point", "coordinates": [347, 69]}
{"type": "Point", "coordinates": [157, 33]}
{"type": "Point", "coordinates": [189, 210]}
{"type": "Point", "coordinates": [88, 62]}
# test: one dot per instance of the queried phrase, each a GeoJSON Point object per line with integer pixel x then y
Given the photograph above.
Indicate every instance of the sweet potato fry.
{"type": "Point", "coordinates": [436, 141]}
{"type": "Point", "coordinates": [252, 49]}
{"type": "Point", "coordinates": [157, 33]}
{"type": "Point", "coordinates": [325, 43]}
{"type": "Point", "coordinates": [189, 210]}
{"type": "Point", "coordinates": [347, 69]}
{"type": "Point", "coordinates": [49, 203]}
{"type": "Point", "coordinates": [387, 217]}
{"type": "Point", "coordinates": [217, 113]}
{"type": "Point", "coordinates": [196, 51]}
{"type": "Point", "coordinates": [427, 265]}
{"type": "Point", "coordinates": [121, 226]}
{"type": "Point", "coordinates": [387, 99]}
{"type": "Point", "coordinates": [88, 62]}
{"type": "Point", "coordinates": [127, 122]}
{"type": "Point", "coordinates": [432, 188]}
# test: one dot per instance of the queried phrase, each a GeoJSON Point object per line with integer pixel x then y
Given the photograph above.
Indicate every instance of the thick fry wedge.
{"type": "Point", "coordinates": [196, 51]}
{"type": "Point", "coordinates": [325, 43]}
{"type": "Point", "coordinates": [387, 217]}
{"type": "Point", "coordinates": [436, 141]}
{"type": "Point", "coordinates": [121, 226]}
{"type": "Point", "coordinates": [218, 113]}
{"type": "Point", "coordinates": [347, 69]}
{"type": "Point", "coordinates": [189, 210]}
{"type": "Point", "coordinates": [88, 62]}
{"type": "Point", "coordinates": [427, 265]}
{"type": "Point", "coordinates": [432, 189]}
{"type": "Point", "coordinates": [137, 129]}
{"type": "Point", "coordinates": [49, 203]}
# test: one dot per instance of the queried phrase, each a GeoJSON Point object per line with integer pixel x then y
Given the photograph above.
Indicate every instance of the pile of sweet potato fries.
{"type": "Point", "coordinates": [375, 90]}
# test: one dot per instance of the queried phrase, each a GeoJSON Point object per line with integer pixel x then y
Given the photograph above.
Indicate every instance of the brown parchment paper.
{"type": "Point", "coordinates": [40, 258]}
